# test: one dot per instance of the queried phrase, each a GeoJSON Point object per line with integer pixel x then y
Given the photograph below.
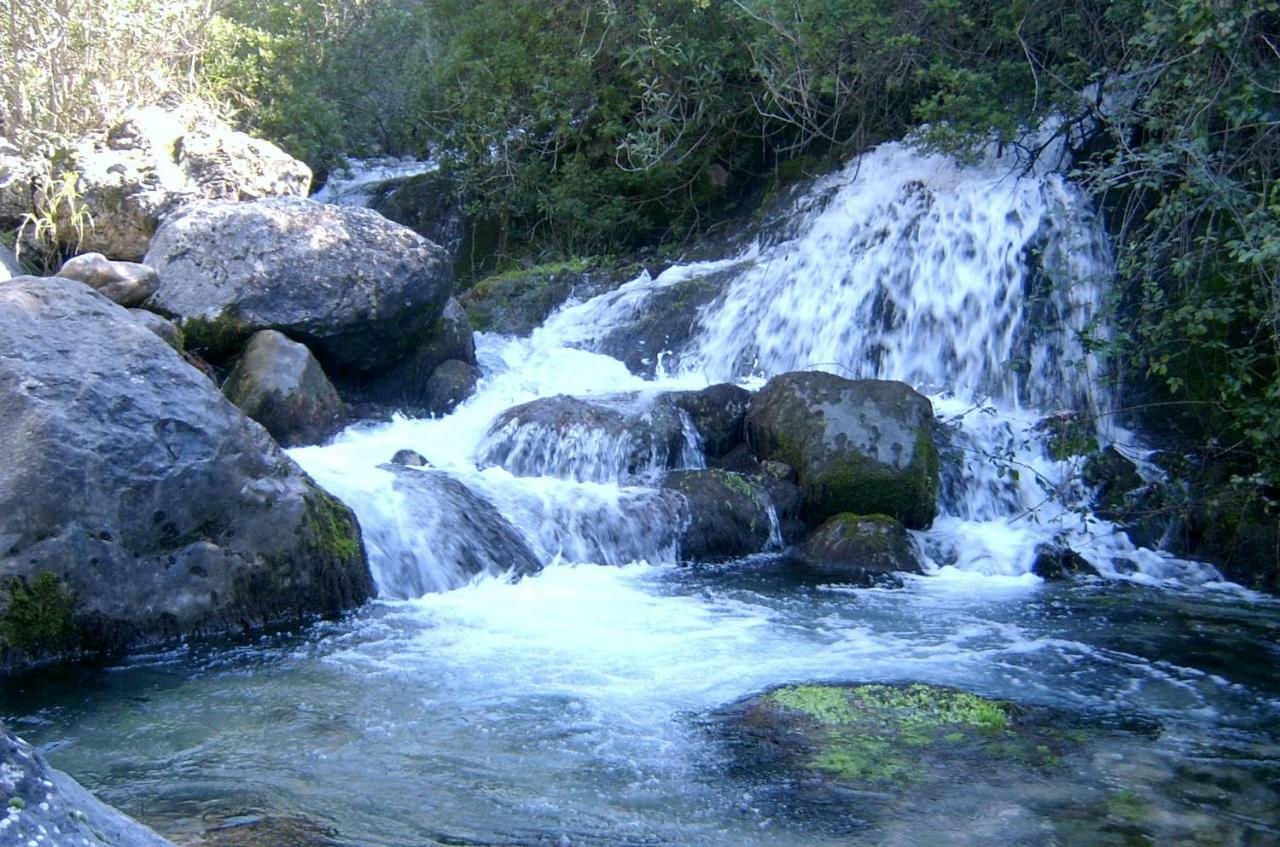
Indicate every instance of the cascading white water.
{"type": "Point", "coordinates": [973, 283]}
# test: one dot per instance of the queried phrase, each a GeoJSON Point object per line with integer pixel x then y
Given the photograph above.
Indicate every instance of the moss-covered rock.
{"type": "Point", "coordinates": [859, 446]}
{"type": "Point", "coordinates": [727, 514]}
{"type": "Point", "coordinates": [888, 737]}
{"type": "Point", "coordinates": [518, 301]}
{"type": "Point", "coordinates": [858, 546]}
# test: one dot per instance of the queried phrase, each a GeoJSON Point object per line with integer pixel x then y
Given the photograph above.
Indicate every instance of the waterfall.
{"type": "Point", "coordinates": [974, 283]}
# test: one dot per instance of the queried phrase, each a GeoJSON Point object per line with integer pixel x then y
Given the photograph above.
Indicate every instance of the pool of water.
{"type": "Point", "coordinates": [572, 708]}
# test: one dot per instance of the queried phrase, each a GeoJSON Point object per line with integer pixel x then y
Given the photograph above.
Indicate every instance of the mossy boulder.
{"type": "Point", "coordinates": [517, 302]}
{"type": "Point", "coordinates": [859, 446]}
{"type": "Point", "coordinates": [891, 737]}
{"type": "Point", "coordinates": [726, 515]}
{"type": "Point", "coordinates": [130, 487]}
{"type": "Point", "coordinates": [858, 546]}
{"type": "Point", "coordinates": [279, 384]}
{"type": "Point", "coordinates": [719, 414]}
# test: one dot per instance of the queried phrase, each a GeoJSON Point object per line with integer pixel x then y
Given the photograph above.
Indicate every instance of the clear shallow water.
{"type": "Point", "coordinates": [571, 706]}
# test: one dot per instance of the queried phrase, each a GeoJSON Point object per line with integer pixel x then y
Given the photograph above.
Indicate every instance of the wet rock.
{"type": "Point", "coordinates": [663, 324]}
{"type": "Point", "coordinates": [727, 515]}
{"type": "Point", "coordinates": [256, 830]}
{"type": "Point", "coordinates": [859, 446]}
{"type": "Point", "coordinates": [126, 283]}
{"type": "Point", "coordinates": [141, 169]}
{"type": "Point", "coordinates": [449, 385]}
{"type": "Point", "coordinates": [279, 384]}
{"type": "Point", "coordinates": [601, 440]}
{"type": "Point", "coordinates": [462, 533]}
{"type": "Point", "coordinates": [357, 289]}
{"type": "Point", "coordinates": [1069, 434]}
{"type": "Point", "coordinates": [1112, 476]}
{"type": "Point", "coordinates": [718, 413]}
{"type": "Point", "coordinates": [518, 302]}
{"type": "Point", "coordinates": [857, 546]}
{"type": "Point", "coordinates": [166, 329]}
{"type": "Point", "coordinates": [890, 738]}
{"type": "Point", "coordinates": [45, 806]}
{"type": "Point", "coordinates": [1055, 562]}
{"type": "Point", "coordinates": [408, 384]}
{"type": "Point", "coordinates": [137, 503]}
{"type": "Point", "coordinates": [410, 459]}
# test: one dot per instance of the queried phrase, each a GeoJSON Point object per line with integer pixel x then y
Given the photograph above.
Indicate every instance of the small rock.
{"type": "Point", "coordinates": [727, 514]}
{"type": "Point", "coordinates": [450, 384]}
{"type": "Point", "coordinates": [1055, 562]}
{"type": "Point", "coordinates": [126, 283]}
{"type": "Point", "coordinates": [166, 329]}
{"type": "Point", "coordinates": [857, 546]}
{"type": "Point", "coordinates": [279, 384]}
{"type": "Point", "coordinates": [410, 459]}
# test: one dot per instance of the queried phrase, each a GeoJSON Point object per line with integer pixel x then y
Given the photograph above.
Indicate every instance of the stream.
{"type": "Point", "coordinates": [575, 706]}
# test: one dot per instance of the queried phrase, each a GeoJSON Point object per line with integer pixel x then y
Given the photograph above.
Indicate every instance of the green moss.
{"type": "Point", "coordinates": [39, 616]}
{"type": "Point", "coordinates": [220, 336]}
{"type": "Point", "coordinates": [17, 803]}
{"type": "Point", "coordinates": [332, 529]}
{"type": "Point", "coordinates": [881, 732]}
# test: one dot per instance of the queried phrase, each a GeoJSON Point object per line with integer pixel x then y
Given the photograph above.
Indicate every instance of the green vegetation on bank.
{"type": "Point", "coordinates": [581, 127]}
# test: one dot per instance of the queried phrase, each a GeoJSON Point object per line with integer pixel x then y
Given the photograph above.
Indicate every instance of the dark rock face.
{"type": "Point", "coordinates": [470, 536]}
{"type": "Point", "coordinates": [126, 283]}
{"type": "Point", "coordinates": [663, 323]}
{"type": "Point", "coordinates": [1112, 476]}
{"type": "Point", "coordinates": [1055, 562]}
{"type": "Point", "coordinates": [131, 486]}
{"type": "Point", "coordinates": [42, 803]}
{"type": "Point", "coordinates": [718, 413]}
{"type": "Point", "coordinates": [9, 264]}
{"type": "Point", "coordinates": [354, 287]}
{"type": "Point", "coordinates": [429, 204]}
{"type": "Point", "coordinates": [728, 514]}
{"type": "Point", "coordinates": [412, 384]}
{"type": "Point", "coordinates": [860, 446]}
{"type": "Point", "coordinates": [450, 384]}
{"type": "Point", "coordinates": [857, 546]}
{"type": "Point", "coordinates": [588, 441]}
{"type": "Point", "coordinates": [279, 384]}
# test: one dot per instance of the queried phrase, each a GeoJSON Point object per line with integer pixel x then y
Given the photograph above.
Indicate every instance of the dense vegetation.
{"type": "Point", "coordinates": [597, 126]}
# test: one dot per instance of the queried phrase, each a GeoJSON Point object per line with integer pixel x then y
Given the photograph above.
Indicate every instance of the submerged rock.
{"type": "Point", "coordinates": [662, 325]}
{"type": "Point", "coordinates": [137, 503]}
{"type": "Point", "coordinates": [358, 290]}
{"type": "Point", "coordinates": [1055, 562]}
{"type": "Point", "coordinates": [461, 533]}
{"type": "Point", "coordinates": [126, 283]}
{"type": "Point", "coordinates": [44, 806]}
{"type": "Point", "coordinates": [890, 738]}
{"type": "Point", "coordinates": [727, 515]}
{"type": "Point", "coordinates": [279, 384]}
{"type": "Point", "coordinates": [857, 546]}
{"type": "Point", "coordinates": [859, 446]}
{"type": "Point", "coordinates": [606, 439]}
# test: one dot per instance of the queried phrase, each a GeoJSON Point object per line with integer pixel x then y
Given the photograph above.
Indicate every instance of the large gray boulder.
{"type": "Point", "coordinates": [126, 283]}
{"type": "Point", "coordinates": [44, 806]}
{"type": "Point", "coordinates": [859, 446]}
{"type": "Point", "coordinates": [354, 287]}
{"type": "Point", "coordinates": [279, 384]}
{"type": "Point", "coordinates": [131, 175]}
{"type": "Point", "coordinates": [137, 503]}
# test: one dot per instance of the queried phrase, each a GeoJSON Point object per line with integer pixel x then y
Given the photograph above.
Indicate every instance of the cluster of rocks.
{"type": "Point", "coordinates": [139, 499]}
{"type": "Point", "coordinates": [839, 468]}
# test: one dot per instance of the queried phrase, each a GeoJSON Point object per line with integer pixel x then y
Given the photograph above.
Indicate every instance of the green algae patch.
{"type": "Point", "coordinates": [38, 616]}
{"type": "Point", "coordinates": [880, 736]}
